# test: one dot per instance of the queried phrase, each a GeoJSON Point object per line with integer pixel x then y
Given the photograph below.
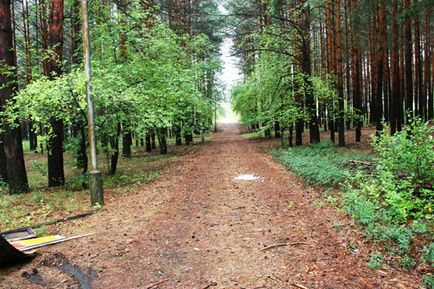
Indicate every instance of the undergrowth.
{"type": "Point", "coordinates": [392, 199]}
{"type": "Point", "coordinates": [320, 164]}
{"type": "Point", "coordinates": [43, 204]}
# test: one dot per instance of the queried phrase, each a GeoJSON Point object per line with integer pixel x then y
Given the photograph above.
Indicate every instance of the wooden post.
{"type": "Point", "coordinates": [95, 177]}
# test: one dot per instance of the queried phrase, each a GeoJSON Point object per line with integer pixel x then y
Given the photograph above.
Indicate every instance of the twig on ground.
{"type": "Point", "coordinates": [299, 286]}
{"type": "Point", "coordinates": [150, 286]}
{"type": "Point", "coordinates": [210, 285]}
{"type": "Point", "coordinates": [283, 245]}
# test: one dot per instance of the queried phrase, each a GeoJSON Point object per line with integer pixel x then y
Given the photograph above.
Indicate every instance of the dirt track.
{"type": "Point", "coordinates": [197, 227]}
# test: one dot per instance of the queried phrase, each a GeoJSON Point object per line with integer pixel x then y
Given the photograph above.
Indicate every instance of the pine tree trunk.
{"type": "Point", "coordinates": [408, 62]}
{"type": "Point", "coordinates": [56, 176]}
{"type": "Point", "coordinates": [3, 169]}
{"type": "Point", "coordinates": [307, 71]}
{"type": "Point", "coordinates": [380, 66]}
{"type": "Point", "coordinates": [13, 149]}
{"type": "Point", "coordinates": [339, 70]}
{"type": "Point", "coordinates": [356, 75]}
{"type": "Point", "coordinates": [330, 64]}
{"type": "Point", "coordinates": [395, 88]}
{"type": "Point", "coordinates": [418, 88]}
{"type": "Point", "coordinates": [427, 64]}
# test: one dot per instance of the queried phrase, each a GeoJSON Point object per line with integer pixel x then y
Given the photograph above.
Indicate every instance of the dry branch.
{"type": "Point", "coordinates": [283, 245]}
{"type": "Point", "coordinates": [299, 286]}
{"type": "Point", "coordinates": [150, 286]}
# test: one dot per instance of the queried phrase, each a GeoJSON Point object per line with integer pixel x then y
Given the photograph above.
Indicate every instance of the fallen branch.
{"type": "Point", "coordinates": [299, 286]}
{"type": "Point", "coordinates": [150, 286]}
{"type": "Point", "coordinates": [283, 245]}
{"type": "Point", "coordinates": [69, 218]}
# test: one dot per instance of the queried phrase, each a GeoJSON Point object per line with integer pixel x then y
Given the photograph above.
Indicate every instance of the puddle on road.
{"type": "Point", "coordinates": [248, 177]}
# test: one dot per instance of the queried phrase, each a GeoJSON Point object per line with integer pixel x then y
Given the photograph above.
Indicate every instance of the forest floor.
{"type": "Point", "coordinates": [198, 227]}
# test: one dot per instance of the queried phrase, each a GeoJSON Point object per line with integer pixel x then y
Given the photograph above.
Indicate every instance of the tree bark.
{"type": "Point", "coordinates": [13, 149]}
{"type": "Point", "coordinates": [394, 117]}
{"type": "Point", "coordinates": [162, 132]}
{"type": "Point", "coordinates": [56, 175]}
{"type": "Point", "coordinates": [356, 75]}
{"type": "Point", "coordinates": [382, 38]}
{"type": "Point", "coordinates": [418, 88]}
{"type": "Point", "coordinates": [148, 142]}
{"type": "Point", "coordinates": [307, 71]}
{"type": "Point", "coordinates": [427, 64]}
{"type": "Point", "coordinates": [408, 62]}
{"type": "Point", "coordinates": [339, 70]}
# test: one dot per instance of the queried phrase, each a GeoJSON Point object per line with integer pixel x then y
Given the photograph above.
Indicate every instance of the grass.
{"type": "Point", "coordinates": [254, 134]}
{"type": "Point", "coordinates": [320, 164]}
{"type": "Point", "coordinates": [43, 204]}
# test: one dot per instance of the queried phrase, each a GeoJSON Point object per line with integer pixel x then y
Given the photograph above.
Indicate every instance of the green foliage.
{"type": "Point", "coordinates": [407, 262]}
{"type": "Point", "coordinates": [376, 261]}
{"type": "Point", "coordinates": [40, 168]}
{"type": "Point", "coordinates": [401, 189]}
{"type": "Point", "coordinates": [428, 254]}
{"type": "Point", "coordinates": [428, 281]}
{"type": "Point", "coordinates": [321, 163]}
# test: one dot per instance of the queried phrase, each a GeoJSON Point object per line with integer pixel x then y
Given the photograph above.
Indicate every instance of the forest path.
{"type": "Point", "coordinates": [198, 227]}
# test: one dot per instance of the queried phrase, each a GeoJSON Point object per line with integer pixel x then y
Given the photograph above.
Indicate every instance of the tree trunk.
{"type": "Point", "coordinates": [382, 38]}
{"type": "Point", "coordinates": [127, 141]}
{"type": "Point", "coordinates": [339, 69]}
{"type": "Point", "coordinates": [13, 149]}
{"type": "Point", "coordinates": [114, 157]}
{"type": "Point", "coordinates": [3, 169]}
{"type": "Point", "coordinates": [162, 140]}
{"type": "Point", "coordinates": [148, 143]}
{"type": "Point", "coordinates": [56, 176]}
{"type": "Point", "coordinates": [330, 64]}
{"type": "Point", "coordinates": [395, 89]}
{"type": "Point", "coordinates": [178, 137]}
{"type": "Point", "coordinates": [356, 75]}
{"type": "Point", "coordinates": [307, 71]}
{"type": "Point", "coordinates": [153, 139]}
{"type": "Point", "coordinates": [427, 64]}
{"type": "Point", "coordinates": [408, 61]}
{"type": "Point", "coordinates": [82, 160]}
{"type": "Point", "coordinates": [418, 88]}
{"type": "Point", "coordinates": [276, 129]}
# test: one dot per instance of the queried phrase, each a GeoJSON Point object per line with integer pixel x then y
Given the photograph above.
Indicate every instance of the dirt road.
{"type": "Point", "coordinates": [198, 227]}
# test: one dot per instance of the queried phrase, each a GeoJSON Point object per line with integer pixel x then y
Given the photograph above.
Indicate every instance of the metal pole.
{"type": "Point", "coordinates": [95, 176]}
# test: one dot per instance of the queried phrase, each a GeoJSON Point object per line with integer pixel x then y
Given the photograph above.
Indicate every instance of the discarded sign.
{"type": "Point", "coordinates": [19, 234]}
{"type": "Point", "coordinates": [10, 255]}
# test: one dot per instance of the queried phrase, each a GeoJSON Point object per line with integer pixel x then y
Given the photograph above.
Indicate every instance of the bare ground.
{"type": "Point", "coordinates": [197, 227]}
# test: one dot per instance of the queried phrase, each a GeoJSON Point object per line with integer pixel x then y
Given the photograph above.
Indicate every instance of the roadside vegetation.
{"type": "Point", "coordinates": [43, 204]}
{"type": "Point", "coordinates": [388, 192]}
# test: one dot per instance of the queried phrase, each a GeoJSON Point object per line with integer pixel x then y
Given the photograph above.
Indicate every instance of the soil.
{"type": "Point", "coordinates": [198, 227]}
